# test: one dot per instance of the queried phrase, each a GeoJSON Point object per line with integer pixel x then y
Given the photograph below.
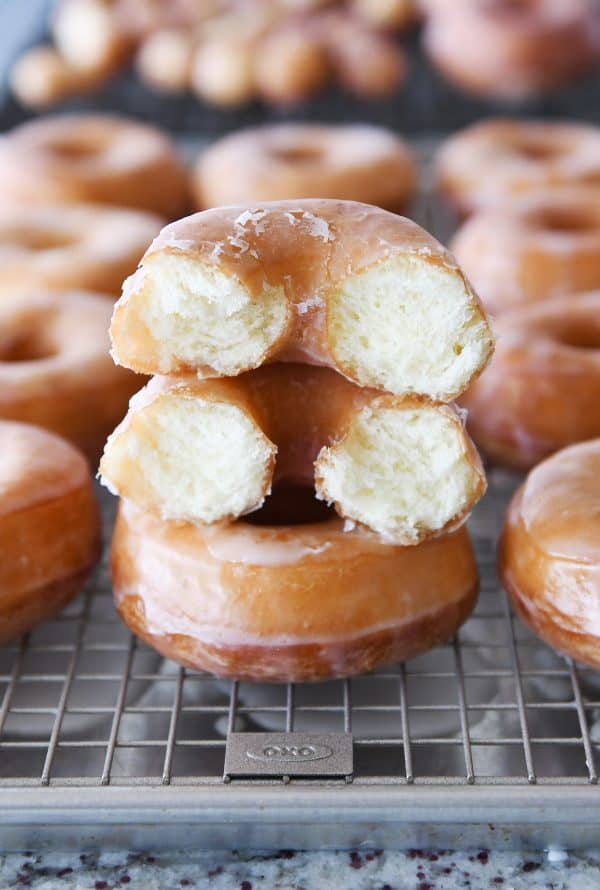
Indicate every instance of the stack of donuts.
{"type": "Point", "coordinates": [227, 51]}
{"type": "Point", "coordinates": [297, 348]}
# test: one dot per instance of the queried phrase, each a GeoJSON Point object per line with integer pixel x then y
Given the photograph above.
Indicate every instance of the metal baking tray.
{"type": "Point", "coordinates": [491, 739]}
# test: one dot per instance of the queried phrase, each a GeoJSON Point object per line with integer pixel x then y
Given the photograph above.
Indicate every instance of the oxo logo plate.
{"type": "Point", "coordinates": [293, 754]}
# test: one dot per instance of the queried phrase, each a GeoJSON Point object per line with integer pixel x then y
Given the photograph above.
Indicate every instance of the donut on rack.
{"type": "Point", "coordinates": [532, 248]}
{"type": "Point", "coordinates": [324, 282]}
{"type": "Point", "coordinates": [284, 602]}
{"type": "Point", "coordinates": [549, 553]}
{"type": "Point", "coordinates": [207, 451]}
{"type": "Point", "coordinates": [498, 159]}
{"type": "Point", "coordinates": [541, 391]}
{"type": "Point", "coordinates": [92, 158]}
{"type": "Point", "coordinates": [55, 367]}
{"type": "Point", "coordinates": [49, 526]}
{"type": "Point", "coordinates": [353, 162]}
{"type": "Point", "coordinates": [513, 49]}
{"type": "Point", "coordinates": [72, 246]}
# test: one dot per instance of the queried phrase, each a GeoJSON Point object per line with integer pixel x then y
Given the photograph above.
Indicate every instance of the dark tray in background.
{"type": "Point", "coordinates": [426, 104]}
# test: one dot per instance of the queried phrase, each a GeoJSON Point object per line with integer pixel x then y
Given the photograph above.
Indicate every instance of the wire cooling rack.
{"type": "Point", "coordinates": [489, 739]}
{"type": "Point", "coordinates": [84, 702]}
{"type": "Point", "coordinates": [86, 710]}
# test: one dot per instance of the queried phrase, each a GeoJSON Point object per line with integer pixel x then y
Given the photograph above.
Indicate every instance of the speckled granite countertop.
{"type": "Point", "coordinates": [286, 870]}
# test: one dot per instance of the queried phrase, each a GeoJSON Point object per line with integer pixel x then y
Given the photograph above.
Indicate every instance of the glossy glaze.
{"type": "Point", "coordinates": [549, 553]}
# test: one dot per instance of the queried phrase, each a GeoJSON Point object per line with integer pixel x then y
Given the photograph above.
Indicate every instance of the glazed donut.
{"type": "Point", "coordinates": [49, 526]}
{"type": "Point", "coordinates": [367, 62]}
{"type": "Point", "coordinates": [41, 77]}
{"type": "Point", "coordinates": [55, 369]}
{"type": "Point", "coordinates": [223, 71]}
{"type": "Point", "coordinates": [71, 246]}
{"type": "Point", "coordinates": [534, 247]}
{"type": "Point", "coordinates": [138, 18]}
{"type": "Point", "coordinates": [549, 553]}
{"type": "Point", "coordinates": [512, 49]}
{"type": "Point", "coordinates": [542, 388]}
{"type": "Point", "coordinates": [92, 158]}
{"type": "Point", "coordinates": [291, 64]}
{"type": "Point", "coordinates": [331, 283]}
{"type": "Point", "coordinates": [164, 60]}
{"type": "Point", "coordinates": [204, 451]}
{"type": "Point", "coordinates": [88, 36]}
{"type": "Point", "coordinates": [286, 602]}
{"type": "Point", "coordinates": [491, 161]}
{"type": "Point", "coordinates": [392, 14]}
{"type": "Point", "coordinates": [269, 163]}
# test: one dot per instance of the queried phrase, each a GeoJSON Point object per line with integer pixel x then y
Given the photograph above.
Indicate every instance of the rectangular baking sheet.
{"type": "Point", "coordinates": [491, 739]}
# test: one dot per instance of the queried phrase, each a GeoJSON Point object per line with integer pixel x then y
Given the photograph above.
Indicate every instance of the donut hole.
{"type": "Point", "coordinates": [565, 220]}
{"type": "Point", "coordinates": [403, 472]}
{"type": "Point", "coordinates": [538, 151]}
{"type": "Point", "coordinates": [579, 336]}
{"type": "Point", "coordinates": [290, 504]}
{"type": "Point", "coordinates": [74, 148]}
{"type": "Point", "coordinates": [507, 8]}
{"type": "Point", "coordinates": [408, 325]}
{"type": "Point", "coordinates": [190, 459]}
{"type": "Point", "coordinates": [296, 154]}
{"type": "Point", "coordinates": [38, 238]}
{"type": "Point", "coordinates": [30, 347]}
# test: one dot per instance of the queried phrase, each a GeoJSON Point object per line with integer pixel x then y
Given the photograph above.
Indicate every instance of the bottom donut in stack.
{"type": "Point", "coordinates": [287, 602]}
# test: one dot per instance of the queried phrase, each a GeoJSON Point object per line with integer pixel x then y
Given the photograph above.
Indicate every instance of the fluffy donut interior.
{"type": "Point", "coordinates": [403, 472]}
{"type": "Point", "coordinates": [408, 326]}
{"type": "Point", "coordinates": [189, 459]}
{"type": "Point", "coordinates": [196, 315]}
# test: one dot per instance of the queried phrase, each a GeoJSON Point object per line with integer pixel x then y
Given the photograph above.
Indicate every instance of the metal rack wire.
{"type": "Point", "coordinates": [85, 703]}
{"type": "Point", "coordinates": [91, 718]}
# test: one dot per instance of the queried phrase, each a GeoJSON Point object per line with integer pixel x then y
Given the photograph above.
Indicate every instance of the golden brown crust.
{"type": "Point", "coordinates": [542, 389]}
{"type": "Point", "coordinates": [56, 371]}
{"type": "Point", "coordinates": [549, 552]}
{"type": "Point", "coordinates": [49, 526]}
{"type": "Point", "coordinates": [92, 158]}
{"type": "Point", "coordinates": [20, 613]}
{"type": "Point", "coordinates": [286, 161]}
{"type": "Point", "coordinates": [302, 663]}
{"type": "Point", "coordinates": [286, 603]}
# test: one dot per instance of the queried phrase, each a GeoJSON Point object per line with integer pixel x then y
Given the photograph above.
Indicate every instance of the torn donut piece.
{"type": "Point", "coordinates": [324, 282]}
{"type": "Point", "coordinates": [207, 451]}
